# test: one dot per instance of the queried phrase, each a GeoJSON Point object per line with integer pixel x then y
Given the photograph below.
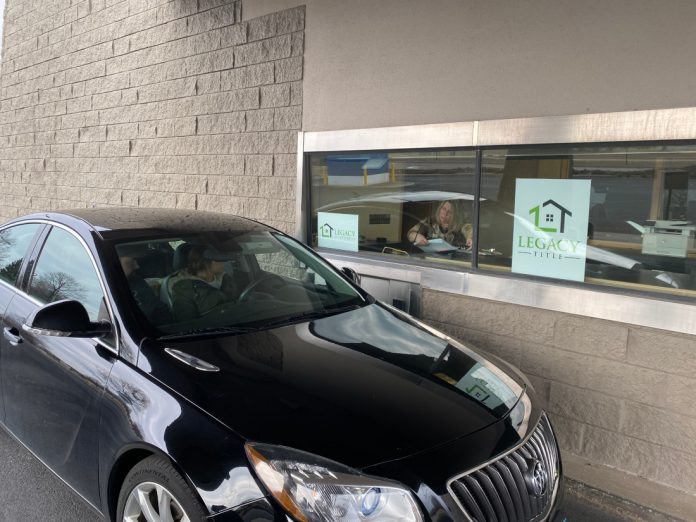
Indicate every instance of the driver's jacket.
{"type": "Point", "coordinates": [193, 297]}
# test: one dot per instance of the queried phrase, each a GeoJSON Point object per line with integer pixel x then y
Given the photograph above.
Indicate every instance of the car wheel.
{"type": "Point", "coordinates": [153, 491]}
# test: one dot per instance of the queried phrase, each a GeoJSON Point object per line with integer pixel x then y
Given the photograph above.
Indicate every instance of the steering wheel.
{"type": "Point", "coordinates": [257, 282]}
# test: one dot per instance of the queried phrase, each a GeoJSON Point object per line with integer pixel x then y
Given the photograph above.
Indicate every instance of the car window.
{"type": "Point", "coordinates": [230, 279]}
{"type": "Point", "coordinates": [65, 271]}
{"type": "Point", "coordinates": [14, 242]}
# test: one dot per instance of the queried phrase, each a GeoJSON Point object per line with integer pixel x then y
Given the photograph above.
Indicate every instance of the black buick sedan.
{"type": "Point", "coordinates": [189, 366]}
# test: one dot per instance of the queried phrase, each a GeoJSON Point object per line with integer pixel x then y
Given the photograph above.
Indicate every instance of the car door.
{"type": "Point", "coordinates": [52, 385]}
{"type": "Point", "coordinates": [15, 242]}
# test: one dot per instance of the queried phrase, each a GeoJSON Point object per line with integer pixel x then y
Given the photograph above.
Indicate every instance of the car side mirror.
{"type": "Point", "coordinates": [351, 274]}
{"type": "Point", "coordinates": [66, 318]}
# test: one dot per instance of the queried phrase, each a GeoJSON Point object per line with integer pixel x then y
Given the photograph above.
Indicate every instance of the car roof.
{"type": "Point", "coordinates": [122, 219]}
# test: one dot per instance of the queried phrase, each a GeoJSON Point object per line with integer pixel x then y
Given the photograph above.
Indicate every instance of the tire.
{"type": "Point", "coordinates": [154, 485]}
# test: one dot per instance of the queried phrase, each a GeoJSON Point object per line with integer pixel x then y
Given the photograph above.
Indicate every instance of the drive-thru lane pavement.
{"type": "Point", "coordinates": [29, 491]}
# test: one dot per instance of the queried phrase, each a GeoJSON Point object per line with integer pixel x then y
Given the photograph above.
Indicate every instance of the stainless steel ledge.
{"type": "Point", "coordinates": [651, 125]}
{"type": "Point", "coordinates": [588, 302]}
{"type": "Point", "coordinates": [409, 137]}
{"type": "Point", "coordinates": [376, 268]}
{"type": "Point", "coordinates": [655, 125]}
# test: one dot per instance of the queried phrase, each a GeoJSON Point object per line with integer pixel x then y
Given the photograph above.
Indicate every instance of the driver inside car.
{"type": "Point", "coordinates": [203, 286]}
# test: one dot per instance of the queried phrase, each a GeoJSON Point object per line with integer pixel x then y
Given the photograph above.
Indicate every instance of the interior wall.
{"type": "Point", "coordinates": [408, 62]}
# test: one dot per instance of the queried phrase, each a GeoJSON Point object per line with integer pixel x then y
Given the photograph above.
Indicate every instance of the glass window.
{"type": "Point", "coordinates": [14, 242]}
{"type": "Point", "coordinates": [411, 204]}
{"type": "Point", "coordinates": [635, 208]}
{"type": "Point", "coordinates": [230, 279]}
{"type": "Point", "coordinates": [64, 270]}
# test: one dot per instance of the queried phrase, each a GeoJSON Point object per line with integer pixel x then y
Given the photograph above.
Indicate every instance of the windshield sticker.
{"type": "Point", "coordinates": [551, 228]}
{"type": "Point", "coordinates": [483, 385]}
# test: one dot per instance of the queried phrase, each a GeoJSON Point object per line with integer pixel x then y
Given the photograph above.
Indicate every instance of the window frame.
{"type": "Point", "coordinates": [307, 181]}
{"type": "Point", "coordinates": [627, 129]}
{"type": "Point", "coordinates": [474, 265]}
{"type": "Point", "coordinates": [28, 267]}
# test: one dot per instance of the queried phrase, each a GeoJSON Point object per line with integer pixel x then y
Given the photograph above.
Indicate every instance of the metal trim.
{"type": "Point", "coordinates": [300, 189]}
{"type": "Point", "coordinates": [597, 303]}
{"type": "Point", "coordinates": [375, 267]}
{"type": "Point", "coordinates": [650, 125]}
{"type": "Point", "coordinates": [192, 361]}
{"type": "Point", "coordinates": [407, 137]}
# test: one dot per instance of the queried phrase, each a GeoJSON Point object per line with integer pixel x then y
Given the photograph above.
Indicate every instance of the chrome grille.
{"type": "Point", "coordinates": [512, 488]}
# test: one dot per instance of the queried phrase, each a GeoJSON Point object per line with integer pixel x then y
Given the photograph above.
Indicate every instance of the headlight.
{"type": "Point", "coordinates": [314, 489]}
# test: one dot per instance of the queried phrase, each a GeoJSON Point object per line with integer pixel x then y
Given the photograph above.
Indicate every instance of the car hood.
{"type": "Point", "coordinates": [361, 387]}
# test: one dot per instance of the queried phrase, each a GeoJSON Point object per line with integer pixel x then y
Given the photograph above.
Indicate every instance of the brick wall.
{"type": "Point", "coordinates": [619, 395]}
{"type": "Point", "coordinates": [150, 103]}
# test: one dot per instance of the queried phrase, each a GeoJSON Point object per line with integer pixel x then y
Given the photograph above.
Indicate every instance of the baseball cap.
{"type": "Point", "coordinates": [213, 254]}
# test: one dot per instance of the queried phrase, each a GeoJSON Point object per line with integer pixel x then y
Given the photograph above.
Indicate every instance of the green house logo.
{"type": "Point", "coordinates": [326, 230]}
{"type": "Point", "coordinates": [555, 213]}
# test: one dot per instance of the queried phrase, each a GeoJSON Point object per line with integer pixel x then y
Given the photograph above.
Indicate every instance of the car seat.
{"type": "Point", "coordinates": [179, 262]}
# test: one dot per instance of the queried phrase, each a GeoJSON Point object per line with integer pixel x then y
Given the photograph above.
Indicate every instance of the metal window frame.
{"type": "Point", "coordinates": [654, 310]}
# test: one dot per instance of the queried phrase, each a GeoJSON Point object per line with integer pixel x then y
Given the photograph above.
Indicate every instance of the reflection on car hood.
{"type": "Point", "coordinates": [361, 387]}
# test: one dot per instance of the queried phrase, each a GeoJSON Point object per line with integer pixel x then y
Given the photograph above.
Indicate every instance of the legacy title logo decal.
{"type": "Point", "coordinates": [339, 231]}
{"type": "Point", "coordinates": [551, 228]}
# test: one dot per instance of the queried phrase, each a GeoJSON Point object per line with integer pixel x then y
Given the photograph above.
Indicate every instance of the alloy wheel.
{"type": "Point", "coordinates": [150, 502]}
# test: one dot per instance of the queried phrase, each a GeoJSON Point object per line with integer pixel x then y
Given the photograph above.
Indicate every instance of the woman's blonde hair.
{"type": "Point", "coordinates": [455, 212]}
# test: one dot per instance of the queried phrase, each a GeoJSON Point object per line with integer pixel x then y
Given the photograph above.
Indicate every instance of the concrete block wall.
{"type": "Point", "coordinates": [618, 395]}
{"type": "Point", "coordinates": [157, 103]}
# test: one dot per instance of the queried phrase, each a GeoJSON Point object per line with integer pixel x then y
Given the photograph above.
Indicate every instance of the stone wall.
{"type": "Point", "coordinates": [150, 103]}
{"type": "Point", "coordinates": [619, 395]}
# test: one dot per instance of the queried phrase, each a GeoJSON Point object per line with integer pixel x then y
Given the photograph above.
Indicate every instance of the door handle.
{"type": "Point", "coordinates": [12, 335]}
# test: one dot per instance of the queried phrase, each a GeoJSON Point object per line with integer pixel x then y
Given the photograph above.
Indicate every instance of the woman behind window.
{"type": "Point", "coordinates": [446, 224]}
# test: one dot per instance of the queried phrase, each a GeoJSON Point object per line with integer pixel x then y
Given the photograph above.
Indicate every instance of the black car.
{"type": "Point", "coordinates": [189, 366]}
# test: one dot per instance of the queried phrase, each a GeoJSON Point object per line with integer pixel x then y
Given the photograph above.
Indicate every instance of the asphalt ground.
{"type": "Point", "coordinates": [30, 492]}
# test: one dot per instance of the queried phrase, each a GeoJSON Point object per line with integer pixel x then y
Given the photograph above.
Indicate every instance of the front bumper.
{"type": "Point", "coordinates": [447, 502]}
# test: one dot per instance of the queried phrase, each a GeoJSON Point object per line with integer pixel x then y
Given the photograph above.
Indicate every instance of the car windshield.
{"type": "Point", "coordinates": [221, 282]}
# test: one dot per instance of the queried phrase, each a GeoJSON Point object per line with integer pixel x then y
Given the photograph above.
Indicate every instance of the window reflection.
{"type": "Point", "coordinates": [64, 270]}
{"type": "Point", "coordinates": [14, 242]}
{"type": "Point", "coordinates": [197, 283]}
{"type": "Point", "coordinates": [641, 231]}
{"type": "Point", "coordinates": [642, 210]}
{"type": "Point", "coordinates": [411, 204]}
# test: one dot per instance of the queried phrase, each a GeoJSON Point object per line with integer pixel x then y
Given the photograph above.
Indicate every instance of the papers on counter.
{"type": "Point", "coordinates": [437, 246]}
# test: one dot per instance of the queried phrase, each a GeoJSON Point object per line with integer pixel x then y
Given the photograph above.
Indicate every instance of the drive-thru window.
{"type": "Point", "coordinates": [631, 225]}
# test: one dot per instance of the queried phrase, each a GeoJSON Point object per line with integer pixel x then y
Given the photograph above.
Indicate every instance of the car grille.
{"type": "Point", "coordinates": [517, 487]}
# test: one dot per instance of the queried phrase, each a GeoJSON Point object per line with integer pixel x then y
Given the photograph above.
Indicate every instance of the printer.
{"type": "Point", "coordinates": [669, 238]}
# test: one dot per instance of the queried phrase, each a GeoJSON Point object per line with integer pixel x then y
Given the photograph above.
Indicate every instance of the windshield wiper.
{"type": "Point", "coordinates": [200, 332]}
{"type": "Point", "coordinates": [310, 314]}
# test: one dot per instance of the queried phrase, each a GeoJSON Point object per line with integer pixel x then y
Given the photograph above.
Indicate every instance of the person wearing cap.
{"type": "Point", "coordinates": [203, 286]}
{"type": "Point", "coordinates": [144, 295]}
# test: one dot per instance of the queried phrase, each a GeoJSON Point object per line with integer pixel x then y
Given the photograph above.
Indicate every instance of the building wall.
{"type": "Point", "coordinates": [196, 104]}
{"type": "Point", "coordinates": [619, 395]}
{"type": "Point", "coordinates": [150, 103]}
{"type": "Point", "coordinates": [407, 62]}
